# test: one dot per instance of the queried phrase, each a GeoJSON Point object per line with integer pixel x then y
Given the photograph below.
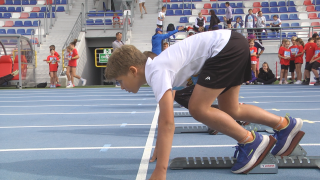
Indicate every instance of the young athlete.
{"type": "Point", "coordinates": [299, 60]}
{"type": "Point", "coordinates": [58, 56]}
{"type": "Point", "coordinates": [309, 49]}
{"type": "Point", "coordinates": [53, 61]}
{"type": "Point", "coordinates": [223, 65]}
{"type": "Point", "coordinates": [314, 65]}
{"type": "Point", "coordinates": [284, 54]}
{"type": "Point", "coordinates": [253, 53]}
{"type": "Point", "coordinates": [73, 65]}
{"type": "Point", "coordinates": [293, 49]}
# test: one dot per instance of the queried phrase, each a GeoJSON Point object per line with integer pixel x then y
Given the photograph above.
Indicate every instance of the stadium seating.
{"type": "Point", "coordinates": [291, 3]}
{"type": "Point", "coordinates": [184, 20]}
{"type": "Point", "coordinates": [283, 35]}
{"type": "Point", "coordinates": [255, 10]}
{"type": "Point", "coordinates": [238, 11]}
{"type": "Point", "coordinates": [18, 24]}
{"type": "Point", "coordinates": [33, 15]}
{"type": "Point", "coordinates": [215, 5]}
{"type": "Point", "coordinates": [267, 17]}
{"type": "Point", "coordinates": [274, 10]}
{"type": "Point", "coordinates": [207, 6]}
{"type": "Point", "coordinates": [281, 3]}
{"type": "Point", "coordinates": [178, 12]}
{"type": "Point", "coordinates": [11, 9]}
{"type": "Point", "coordinates": [8, 24]}
{"type": "Point", "coordinates": [27, 23]}
{"type": "Point", "coordinates": [272, 35]}
{"type": "Point", "coordinates": [283, 9]}
{"type": "Point", "coordinates": [292, 9]}
{"type": "Point", "coordinates": [60, 9]}
{"type": "Point", "coordinates": [3, 31]}
{"type": "Point", "coordinates": [206, 12]}
{"type": "Point", "coordinates": [29, 32]}
{"type": "Point", "coordinates": [21, 31]}
{"type": "Point", "coordinates": [284, 17]}
{"type": "Point", "coordinates": [315, 24]}
{"type": "Point", "coordinates": [35, 23]}
{"type": "Point", "coordinates": [11, 31]}
{"type": "Point", "coordinates": [264, 4]}
{"type": "Point", "coordinates": [265, 10]}
{"type": "Point", "coordinates": [109, 22]}
{"type": "Point", "coordinates": [89, 22]}
{"type": "Point", "coordinates": [256, 4]}
{"type": "Point", "coordinates": [310, 9]}
{"type": "Point", "coordinates": [296, 25]}
{"type": "Point", "coordinates": [293, 17]}
{"type": "Point", "coordinates": [36, 9]}
{"type": "Point", "coordinates": [98, 22]}
{"type": "Point", "coordinates": [307, 2]}
{"type": "Point", "coordinates": [33, 2]}
{"type": "Point", "coordinates": [221, 11]}
{"type": "Point", "coordinates": [3, 9]}
{"type": "Point", "coordinates": [317, 8]}
{"type": "Point", "coordinates": [44, 9]}
{"type": "Point", "coordinates": [313, 16]}
{"type": "Point", "coordinates": [285, 26]}
{"type": "Point", "coordinates": [273, 4]}
{"type": "Point", "coordinates": [187, 12]}
{"type": "Point", "coordinates": [24, 15]}
{"type": "Point", "coordinates": [168, 13]}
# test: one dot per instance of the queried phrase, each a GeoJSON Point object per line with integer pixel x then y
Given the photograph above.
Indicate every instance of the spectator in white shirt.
{"type": "Point", "coordinates": [276, 23]}
{"type": "Point", "coordinates": [161, 16]}
{"type": "Point", "coordinates": [261, 23]}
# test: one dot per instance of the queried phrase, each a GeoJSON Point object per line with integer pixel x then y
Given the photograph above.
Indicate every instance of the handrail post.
{"type": "Point", "coordinates": [50, 14]}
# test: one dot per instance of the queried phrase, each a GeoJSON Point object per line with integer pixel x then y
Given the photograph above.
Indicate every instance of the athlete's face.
{"type": "Point", "coordinates": [318, 43]}
{"type": "Point", "coordinates": [287, 44]}
{"type": "Point", "coordinates": [131, 81]}
{"type": "Point", "coordinates": [251, 44]}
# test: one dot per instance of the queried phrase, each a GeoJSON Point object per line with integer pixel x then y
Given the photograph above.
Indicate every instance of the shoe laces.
{"type": "Point", "coordinates": [240, 152]}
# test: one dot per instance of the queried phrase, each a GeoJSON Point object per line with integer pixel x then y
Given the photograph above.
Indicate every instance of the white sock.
{"type": "Point", "coordinates": [82, 79]}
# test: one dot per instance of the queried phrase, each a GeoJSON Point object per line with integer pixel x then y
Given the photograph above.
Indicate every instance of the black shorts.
{"type": "Point", "coordinates": [307, 63]}
{"type": "Point", "coordinates": [285, 67]}
{"type": "Point", "coordinates": [229, 21]}
{"type": "Point", "coordinates": [292, 66]}
{"type": "Point", "coordinates": [230, 67]}
{"type": "Point", "coordinates": [160, 26]}
{"type": "Point", "coordinates": [314, 65]}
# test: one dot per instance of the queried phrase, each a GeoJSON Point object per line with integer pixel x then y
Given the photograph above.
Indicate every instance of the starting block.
{"type": "Point", "coordinates": [294, 157]}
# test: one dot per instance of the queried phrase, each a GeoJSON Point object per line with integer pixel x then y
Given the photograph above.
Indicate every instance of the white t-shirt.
{"type": "Point", "coordinates": [175, 65]}
{"type": "Point", "coordinates": [161, 16]}
{"type": "Point", "coordinates": [278, 21]}
{"type": "Point", "coordinates": [250, 21]}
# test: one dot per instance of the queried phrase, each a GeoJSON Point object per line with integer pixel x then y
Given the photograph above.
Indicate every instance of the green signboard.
{"type": "Point", "coordinates": [103, 57]}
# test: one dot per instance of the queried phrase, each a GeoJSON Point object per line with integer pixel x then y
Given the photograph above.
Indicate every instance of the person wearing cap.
{"type": "Point", "coordinates": [258, 45]}
{"type": "Point", "coordinates": [158, 37]}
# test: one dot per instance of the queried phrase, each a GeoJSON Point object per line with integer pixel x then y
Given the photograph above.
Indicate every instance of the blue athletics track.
{"type": "Point", "coordinates": [107, 133]}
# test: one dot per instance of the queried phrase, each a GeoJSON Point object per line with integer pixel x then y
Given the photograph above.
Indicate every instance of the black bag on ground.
{"type": "Point", "coordinates": [170, 27]}
{"type": "Point", "coordinates": [41, 85]}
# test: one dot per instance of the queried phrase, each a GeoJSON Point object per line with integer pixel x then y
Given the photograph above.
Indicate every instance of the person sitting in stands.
{"type": "Point", "coordinates": [116, 20]}
{"type": "Point", "coordinates": [200, 22]}
{"type": "Point", "coordinates": [265, 75]}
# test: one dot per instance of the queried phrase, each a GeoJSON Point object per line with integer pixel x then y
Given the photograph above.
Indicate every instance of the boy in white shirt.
{"type": "Point", "coordinates": [275, 23]}
{"type": "Point", "coordinates": [161, 16]}
{"type": "Point", "coordinates": [223, 65]}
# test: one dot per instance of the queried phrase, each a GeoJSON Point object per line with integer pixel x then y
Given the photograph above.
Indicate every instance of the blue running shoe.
{"type": "Point", "coordinates": [249, 153]}
{"type": "Point", "coordinates": [284, 136]}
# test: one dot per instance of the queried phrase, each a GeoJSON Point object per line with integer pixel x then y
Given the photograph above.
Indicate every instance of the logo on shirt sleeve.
{"type": "Point", "coordinates": [207, 78]}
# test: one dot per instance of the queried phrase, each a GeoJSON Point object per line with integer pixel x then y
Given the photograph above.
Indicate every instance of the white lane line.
{"type": "Point", "coordinates": [143, 168]}
{"type": "Point", "coordinates": [246, 97]}
{"type": "Point", "coordinates": [23, 114]}
{"type": "Point", "coordinates": [105, 148]}
{"type": "Point", "coordinates": [88, 125]}
{"type": "Point", "coordinates": [76, 96]}
{"type": "Point", "coordinates": [64, 93]}
{"type": "Point", "coordinates": [277, 92]}
{"type": "Point", "coordinates": [78, 105]}
{"type": "Point", "coordinates": [128, 147]}
{"type": "Point", "coordinates": [280, 102]}
{"type": "Point", "coordinates": [66, 100]}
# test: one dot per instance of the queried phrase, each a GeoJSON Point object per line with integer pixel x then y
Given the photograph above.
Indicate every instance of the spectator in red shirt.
{"type": "Point", "coordinates": [313, 65]}
{"type": "Point", "coordinates": [284, 54]}
{"type": "Point", "coordinates": [309, 49]}
{"type": "Point", "coordinates": [116, 20]}
{"type": "Point", "coordinates": [253, 52]}
{"type": "Point", "coordinates": [58, 56]}
{"type": "Point", "coordinates": [293, 50]}
{"type": "Point", "coordinates": [53, 61]}
{"type": "Point", "coordinates": [299, 59]}
{"type": "Point", "coordinates": [72, 66]}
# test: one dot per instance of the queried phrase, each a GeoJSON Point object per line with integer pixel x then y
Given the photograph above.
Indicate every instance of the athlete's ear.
{"type": "Point", "coordinates": [133, 70]}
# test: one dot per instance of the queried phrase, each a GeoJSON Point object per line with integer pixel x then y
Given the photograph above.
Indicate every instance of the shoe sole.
{"type": "Point", "coordinates": [84, 83]}
{"type": "Point", "coordinates": [260, 149]}
{"type": "Point", "coordinates": [292, 134]}
{"type": "Point", "coordinates": [293, 144]}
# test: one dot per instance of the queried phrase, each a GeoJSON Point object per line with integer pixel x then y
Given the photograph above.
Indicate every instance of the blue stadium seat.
{"type": "Point", "coordinates": [174, 1]}
{"type": "Point", "coordinates": [223, 5]}
{"type": "Point", "coordinates": [178, 12]}
{"type": "Point", "coordinates": [186, 1]}
{"type": "Point", "coordinates": [283, 9]}
{"type": "Point", "coordinates": [284, 17]}
{"type": "Point", "coordinates": [30, 32]}
{"type": "Point", "coordinates": [0, 15]}
{"type": "Point", "coordinates": [273, 4]}
{"type": "Point", "coordinates": [58, 2]}
{"type": "Point", "coordinates": [60, 9]}
{"type": "Point", "coordinates": [208, 19]}
{"type": "Point", "coordinates": [11, 31]}
{"type": "Point", "coordinates": [108, 22]}
{"type": "Point", "coordinates": [33, 2]}
{"type": "Point", "coordinates": [180, 6]}
{"type": "Point", "coordinates": [220, 18]}
{"type": "Point", "coordinates": [271, 16]}
{"type": "Point", "coordinates": [215, 11]}
{"type": "Point", "coordinates": [263, 36]}
{"type": "Point", "coordinates": [272, 35]}
{"type": "Point", "coordinates": [17, 2]}
{"type": "Point", "coordinates": [7, 15]}
{"type": "Point", "coordinates": [42, 9]}
{"type": "Point", "coordinates": [41, 15]}
{"type": "Point", "coordinates": [18, 24]}
{"type": "Point", "coordinates": [187, 6]}
{"type": "Point", "coordinates": [9, 2]}
{"type": "Point", "coordinates": [3, 31]}
{"type": "Point", "coordinates": [53, 9]}
{"type": "Point", "coordinates": [109, 14]}
{"type": "Point", "coordinates": [53, 15]}
{"type": "Point", "coordinates": [265, 10]}
{"type": "Point", "coordinates": [292, 9]}
{"type": "Point", "coordinates": [274, 10]}
{"type": "Point", "coordinates": [98, 22]}
{"type": "Point", "coordinates": [174, 6]}
{"type": "Point", "coordinates": [319, 17]}
{"type": "Point", "coordinates": [27, 23]}
{"type": "Point", "coordinates": [21, 31]}
{"type": "Point", "coordinates": [168, 6]}
{"type": "Point", "coordinates": [196, 0]}
{"type": "Point", "coordinates": [233, 5]}
{"type": "Point", "coordinates": [89, 22]}
{"type": "Point", "coordinates": [240, 5]}
{"type": "Point", "coordinates": [119, 12]}
{"type": "Point", "coordinates": [264, 4]}
{"type": "Point", "coordinates": [316, 2]}
{"type": "Point", "coordinates": [281, 3]}
{"type": "Point", "coordinates": [290, 34]}
{"type": "Point", "coordinates": [220, 26]}
{"type": "Point", "coordinates": [102, 13]}
{"type": "Point", "coordinates": [206, 27]}
{"type": "Point", "coordinates": [25, 2]}
{"type": "Point", "coordinates": [317, 8]}
{"type": "Point", "coordinates": [33, 15]}
{"type": "Point", "coordinates": [285, 26]}
{"type": "Point", "coordinates": [18, 9]}
{"type": "Point", "coordinates": [90, 15]}
{"type": "Point", "coordinates": [284, 35]}
{"type": "Point", "coordinates": [290, 3]}
{"type": "Point", "coordinates": [215, 5]}
{"type": "Point", "coordinates": [267, 17]}
{"type": "Point", "coordinates": [193, 6]}
{"type": "Point", "coordinates": [11, 9]}
{"type": "Point", "coordinates": [294, 17]}
{"type": "Point", "coordinates": [221, 11]}
{"type": "Point", "coordinates": [3, 9]}
{"type": "Point", "coordinates": [239, 11]}
{"type": "Point", "coordinates": [35, 23]}
{"type": "Point", "coordinates": [184, 20]}
{"type": "Point", "coordinates": [187, 12]}
{"type": "Point", "coordinates": [296, 25]}
{"type": "Point", "coordinates": [63, 2]}
{"type": "Point", "coordinates": [169, 13]}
